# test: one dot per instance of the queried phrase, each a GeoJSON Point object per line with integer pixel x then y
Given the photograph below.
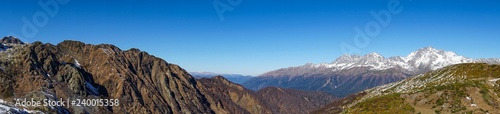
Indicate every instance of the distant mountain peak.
{"type": "Point", "coordinates": [427, 51]}
{"type": "Point", "coordinates": [373, 57]}
{"type": "Point", "coordinates": [11, 40]}
{"type": "Point", "coordinates": [434, 58]}
{"type": "Point", "coordinates": [429, 48]}
{"type": "Point", "coordinates": [352, 73]}
{"type": "Point", "coordinates": [419, 61]}
{"type": "Point", "coordinates": [236, 78]}
{"type": "Point", "coordinates": [346, 58]}
{"type": "Point", "coordinates": [374, 54]}
{"type": "Point", "coordinates": [213, 74]}
{"type": "Point", "coordinates": [427, 57]}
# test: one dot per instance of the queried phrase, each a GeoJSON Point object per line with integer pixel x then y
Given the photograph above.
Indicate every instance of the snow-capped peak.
{"type": "Point", "coordinates": [424, 58]}
{"type": "Point", "coordinates": [417, 62]}
{"type": "Point", "coordinates": [374, 55]}
{"type": "Point", "coordinates": [433, 58]}
{"type": "Point", "coordinates": [423, 53]}
{"type": "Point", "coordinates": [346, 58]}
{"type": "Point", "coordinates": [429, 48]}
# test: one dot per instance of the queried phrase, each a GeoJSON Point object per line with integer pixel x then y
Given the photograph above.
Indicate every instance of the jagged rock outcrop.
{"type": "Point", "coordinates": [73, 70]}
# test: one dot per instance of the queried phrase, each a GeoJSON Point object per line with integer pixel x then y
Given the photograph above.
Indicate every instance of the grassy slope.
{"type": "Point", "coordinates": [463, 88]}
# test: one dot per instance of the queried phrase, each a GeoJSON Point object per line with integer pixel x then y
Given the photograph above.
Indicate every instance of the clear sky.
{"type": "Point", "coordinates": [258, 35]}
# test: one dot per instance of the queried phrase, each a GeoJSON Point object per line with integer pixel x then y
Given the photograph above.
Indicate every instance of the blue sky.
{"type": "Point", "coordinates": [260, 35]}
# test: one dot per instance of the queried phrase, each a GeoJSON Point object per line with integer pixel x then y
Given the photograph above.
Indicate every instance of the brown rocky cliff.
{"type": "Point", "coordinates": [141, 82]}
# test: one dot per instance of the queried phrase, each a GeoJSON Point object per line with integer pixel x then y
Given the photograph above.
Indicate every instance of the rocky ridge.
{"type": "Point", "coordinates": [74, 70]}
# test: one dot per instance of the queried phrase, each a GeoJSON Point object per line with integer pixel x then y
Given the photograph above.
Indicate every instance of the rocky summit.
{"type": "Point", "coordinates": [11, 40]}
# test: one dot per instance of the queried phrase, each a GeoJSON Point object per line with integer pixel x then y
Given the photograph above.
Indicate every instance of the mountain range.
{"type": "Point", "coordinates": [143, 83]}
{"type": "Point", "coordinates": [135, 80]}
{"type": "Point", "coordinates": [236, 78]}
{"type": "Point", "coordinates": [352, 73]}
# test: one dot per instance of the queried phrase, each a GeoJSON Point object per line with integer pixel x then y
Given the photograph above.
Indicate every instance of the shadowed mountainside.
{"type": "Point", "coordinates": [73, 70]}
{"type": "Point", "coordinates": [231, 97]}
{"type": "Point", "coordinates": [290, 101]}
